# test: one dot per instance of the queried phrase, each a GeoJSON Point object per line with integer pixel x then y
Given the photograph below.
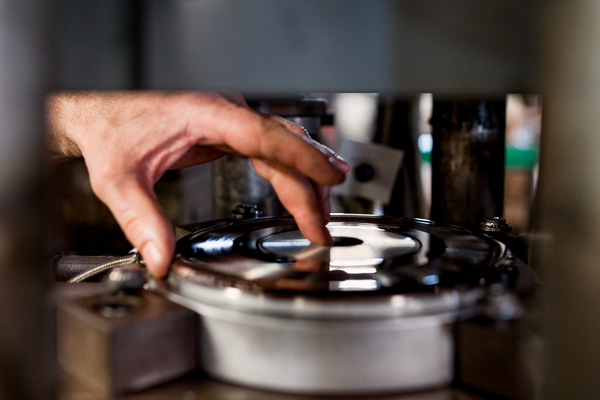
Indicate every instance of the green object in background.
{"type": "Point", "coordinates": [515, 158]}
{"type": "Point", "coordinates": [520, 158]}
{"type": "Point", "coordinates": [426, 156]}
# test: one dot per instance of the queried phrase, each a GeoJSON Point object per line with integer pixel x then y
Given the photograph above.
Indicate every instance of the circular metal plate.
{"type": "Point", "coordinates": [370, 255]}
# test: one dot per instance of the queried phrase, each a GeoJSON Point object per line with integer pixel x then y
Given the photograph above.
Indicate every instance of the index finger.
{"type": "Point", "coordinates": [301, 131]}
{"type": "Point", "coordinates": [221, 123]}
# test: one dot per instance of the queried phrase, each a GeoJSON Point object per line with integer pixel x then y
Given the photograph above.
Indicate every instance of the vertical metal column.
{"type": "Point", "coordinates": [467, 160]}
{"type": "Point", "coordinates": [395, 128]}
{"type": "Point", "coordinates": [569, 199]}
{"type": "Point", "coordinates": [25, 347]}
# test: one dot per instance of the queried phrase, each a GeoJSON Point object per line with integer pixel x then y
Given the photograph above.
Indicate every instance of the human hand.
{"type": "Point", "coordinates": [129, 139]}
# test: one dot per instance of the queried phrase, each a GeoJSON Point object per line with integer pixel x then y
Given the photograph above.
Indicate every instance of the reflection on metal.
{"type": "Point", "coordinates": [372, 246]}
{"type": "Point", "coordinates": [380, 296]}
{"type": "Point", "coordinates": [355, 285]}
{"type": "Point", "coordinates": [402, 255]}
{"type": "Point", "coordinates": [431, 280]}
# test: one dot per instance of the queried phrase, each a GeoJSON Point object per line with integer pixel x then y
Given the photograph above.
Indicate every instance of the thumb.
{"type": "Point", "coordinates": [143, 221]}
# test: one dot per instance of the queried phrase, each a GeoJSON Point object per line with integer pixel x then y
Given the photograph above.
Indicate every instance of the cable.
{"type": "Point", "coordinates": [133, 258]}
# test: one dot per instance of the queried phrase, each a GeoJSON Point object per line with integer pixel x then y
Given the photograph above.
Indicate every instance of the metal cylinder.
{"type": "Point", "coordinates": [467, 160]}
{"type": "Point", "coordinates": [235, 181]}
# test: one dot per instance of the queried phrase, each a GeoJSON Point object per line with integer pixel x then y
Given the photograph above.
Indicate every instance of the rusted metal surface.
{"type": "Point", "coordinates": [115, 343]}
{"type": "Point", "coordinates": [467, 160]}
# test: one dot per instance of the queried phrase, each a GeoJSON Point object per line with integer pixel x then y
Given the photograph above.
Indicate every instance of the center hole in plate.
{"type": "Point", "coordinates": [345, 241]}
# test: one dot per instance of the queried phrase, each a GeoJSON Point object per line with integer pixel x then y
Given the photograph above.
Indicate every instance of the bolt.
{"type": "Point", "coordinates": [115, 310]}
{"type": "Point", "coordinates": [126, 278]}
{"type": "Point", "coordinates": [246, 211]}
{"type": "Point", "coordinates": [116, 305]}
{"type": "Point", "coordinates": [495, 224]}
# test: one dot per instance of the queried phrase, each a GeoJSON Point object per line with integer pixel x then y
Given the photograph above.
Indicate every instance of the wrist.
{"type": "Point", "coordinates": [61, 125]}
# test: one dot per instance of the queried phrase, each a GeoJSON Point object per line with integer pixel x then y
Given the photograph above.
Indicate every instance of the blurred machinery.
{"type": "Point", "coordinates": [469, 54]}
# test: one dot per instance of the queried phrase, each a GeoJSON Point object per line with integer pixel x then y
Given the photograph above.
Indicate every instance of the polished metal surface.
{"type": "Point", "coordinates": [385, 295]}
{"type": "Point", "coordinates": [252, 340]}
{"type": "Point", "coordinates": [357, 248]}
{"type": "Point", "coordinates": [370, 254]}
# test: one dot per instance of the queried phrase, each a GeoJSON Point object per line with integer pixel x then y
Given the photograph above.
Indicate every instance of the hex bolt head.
{"type": "Point", "coordinates": [495, 225]}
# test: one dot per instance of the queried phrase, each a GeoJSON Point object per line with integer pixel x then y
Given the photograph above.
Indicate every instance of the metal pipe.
{"type": "Point", "coordinates": [467, 160]}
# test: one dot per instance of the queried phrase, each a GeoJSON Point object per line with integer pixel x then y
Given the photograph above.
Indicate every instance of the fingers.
{"type": "Point", "coordinates": [156, 132]}
{"type": "Point", "coordinates": [197, 155]}
{"type": "Point", "coordinates": [141, 218]}
{"type": "Point", "coordinates": [253, 135]}
{"type": "Point", "coordinates": [298, 168]}
{"type": "Point", "coordinates": [300, 131]}
{"type": "Point", "coordinates": [298, 195]}
{"type": "Point", "coordinates": [323, 196]}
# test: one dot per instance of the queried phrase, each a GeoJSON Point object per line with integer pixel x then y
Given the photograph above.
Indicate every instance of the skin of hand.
{"type": "Point", "coordinates": [129, 140]}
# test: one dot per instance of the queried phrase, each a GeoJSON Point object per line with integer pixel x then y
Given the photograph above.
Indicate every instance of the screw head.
{"type": "Point", "coordinates": [245, 211]}
{"type": "Point", "coordinates": [495, 224]}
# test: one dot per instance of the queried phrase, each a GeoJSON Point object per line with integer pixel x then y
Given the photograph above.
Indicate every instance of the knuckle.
{"type": "Point", "coordinates": [299, 130]}
{"type": "Point", "coordinates": [264, 125]}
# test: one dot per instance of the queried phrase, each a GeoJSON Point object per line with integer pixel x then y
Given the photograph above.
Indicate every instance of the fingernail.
{"type": "Point", "coordinates": [339, 162]}
{"type": "Point", "coordinates": [151, 255]}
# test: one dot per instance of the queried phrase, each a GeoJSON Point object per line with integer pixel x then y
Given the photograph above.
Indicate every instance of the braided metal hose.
{"type": "Point", "coordinates": [133, 258]}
